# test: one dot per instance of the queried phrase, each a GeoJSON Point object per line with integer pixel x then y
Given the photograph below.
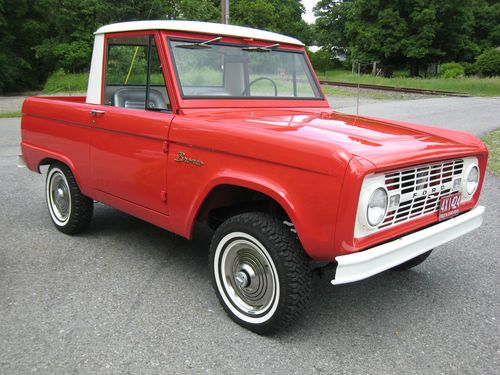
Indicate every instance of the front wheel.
{"type": "Point", "coordinates": [70, 210]}
{"type": "Point", "coordinates": [260, 272]}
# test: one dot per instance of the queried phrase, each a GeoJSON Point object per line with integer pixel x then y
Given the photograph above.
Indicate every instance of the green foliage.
{"type": "Point", "coordinates": [486, 30]}
{"type": "Point", "coordinates": [282, 16]}
{"type": "Point", "coordinates": [452, 70]}
{"type": "Point", "coordinates": [398, 32]}
{"type": "Point", "coordinates": [470, 69]}
{"type": "Point", "coordinates": [321, 60]}
{"type": "Point", "coordinates": [488, 63]}
{"type": "Point", "coordinates": [400, 74]}
{"type": "Point", "coordinates": [66, 83]}
{"type": "Point", "coordinates": [40, 37]}
{"type": "Point", "coordinates": [10, 114]}
{"type": "Point", "coordinates": [21, 27]}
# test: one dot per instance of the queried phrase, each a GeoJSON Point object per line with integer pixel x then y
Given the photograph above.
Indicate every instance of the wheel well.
{"type": "Point", "coordinates": [226, 201]}
{"type": "Point", "coordinates": [48, 161]}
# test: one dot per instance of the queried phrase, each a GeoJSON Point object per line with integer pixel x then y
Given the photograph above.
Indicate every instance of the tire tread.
{"type": "Point", "coordinates": [82, 207]}
{"type": "Point", "coordinates": [294, 261]}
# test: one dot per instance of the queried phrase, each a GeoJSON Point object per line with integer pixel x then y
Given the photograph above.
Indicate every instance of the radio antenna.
{"type": "Point", "coordinates": [357, 97]}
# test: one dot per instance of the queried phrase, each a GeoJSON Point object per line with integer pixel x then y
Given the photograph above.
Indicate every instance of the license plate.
{"type": "Point", "coordinates": [449, 206]}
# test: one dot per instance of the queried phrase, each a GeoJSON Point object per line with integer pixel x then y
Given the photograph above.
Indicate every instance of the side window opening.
{"type": "Point", "coordinates": [134, 77]}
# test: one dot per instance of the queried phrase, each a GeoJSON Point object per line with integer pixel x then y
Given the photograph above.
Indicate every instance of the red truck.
{"type": "Point", "coordinates": [190, 122]}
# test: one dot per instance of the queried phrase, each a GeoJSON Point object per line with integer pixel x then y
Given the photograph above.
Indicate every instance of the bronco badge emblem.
{"type": "Point", "coordinates": [182, 158]}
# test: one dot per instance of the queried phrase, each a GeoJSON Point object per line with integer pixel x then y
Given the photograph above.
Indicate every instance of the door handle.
{"type": "Point", "coordinates": [97, 112]}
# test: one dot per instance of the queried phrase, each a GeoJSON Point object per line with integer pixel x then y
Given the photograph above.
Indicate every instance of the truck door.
{"type": "Point", "coordinates": [130, 130]}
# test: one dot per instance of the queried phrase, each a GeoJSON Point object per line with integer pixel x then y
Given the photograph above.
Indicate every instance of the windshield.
{"type": "Point", "coordinates": [206, 69]}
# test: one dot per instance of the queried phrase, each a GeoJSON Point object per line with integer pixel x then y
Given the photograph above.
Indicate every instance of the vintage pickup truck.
{"type": "Point", "coordinates": [190, 122]}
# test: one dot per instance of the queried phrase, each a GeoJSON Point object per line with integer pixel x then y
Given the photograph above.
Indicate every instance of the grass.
{"type": "Point", "coordinates": [468, 85]}
{"type": "Point", "coordinates": [10, 114]}
{"type": "Point", "coordinates": [336, 91]}
{"type": "Point", "coordinates": [60, 82]}
{"type": "Point", "coordinates": [492, 141]}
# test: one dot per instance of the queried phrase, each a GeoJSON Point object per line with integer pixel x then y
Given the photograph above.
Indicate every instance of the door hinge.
{"type": "Point", "coordinates": [163, 196]}
{"type": "Point", "coordinates": [165, 147]}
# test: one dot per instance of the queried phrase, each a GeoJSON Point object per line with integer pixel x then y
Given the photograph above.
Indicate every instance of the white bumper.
{"type": "Point", "coordinates": [359, 266]}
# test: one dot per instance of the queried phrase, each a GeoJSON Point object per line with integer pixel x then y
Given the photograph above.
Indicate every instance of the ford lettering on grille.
{"type": "Point", "coordinates": [420, 189]}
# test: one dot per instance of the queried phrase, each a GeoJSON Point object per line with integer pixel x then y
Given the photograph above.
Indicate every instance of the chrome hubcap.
{"type": "Point", "coordinates": [241, 279]}
{"type": "Point", "coordinates": [59, 197]}
{"type": "Point", "coordinates": [248, 277]}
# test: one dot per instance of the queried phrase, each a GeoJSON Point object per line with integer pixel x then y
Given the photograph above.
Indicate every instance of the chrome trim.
{"type": "Point", "coordinates": [418, 189]}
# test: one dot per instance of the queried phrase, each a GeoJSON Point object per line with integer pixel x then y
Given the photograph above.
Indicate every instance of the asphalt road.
{"type": "Point", "coordinates": [128, 297]}
{"type": "Point", "coordinates": [478, 116]}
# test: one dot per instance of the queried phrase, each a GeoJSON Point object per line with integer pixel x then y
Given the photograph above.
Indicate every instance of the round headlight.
{"type": "Point", "coordinates": [472, 180]}
{"type": "Point", "coordinates": [377, 206]}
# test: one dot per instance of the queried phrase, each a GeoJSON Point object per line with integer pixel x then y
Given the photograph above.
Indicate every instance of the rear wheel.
{"type": "Point", "coordinates": [412, 262]}
{"type": "Point", "coordinates": [260, 272]}
{"type": "Point", "coordinates": [70, 210]}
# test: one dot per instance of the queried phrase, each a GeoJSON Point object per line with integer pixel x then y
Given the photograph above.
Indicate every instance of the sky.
{"type": "Point", "coordinates": [308, 16]}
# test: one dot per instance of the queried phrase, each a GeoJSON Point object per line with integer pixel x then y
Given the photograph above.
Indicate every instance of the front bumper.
{"type": "Point", "coordinates": [359, 266]}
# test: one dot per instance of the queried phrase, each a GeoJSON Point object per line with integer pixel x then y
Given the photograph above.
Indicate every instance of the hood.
{"type": "Point", "coordinates": [382, 142]}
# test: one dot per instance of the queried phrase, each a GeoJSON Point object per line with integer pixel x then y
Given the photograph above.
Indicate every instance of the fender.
{"type": "Point", "coordinates": [34, 156]}
{"type": "Point", "coordinates": [262, 185]}
{"type": "Point", "coordinates": [237, 178]}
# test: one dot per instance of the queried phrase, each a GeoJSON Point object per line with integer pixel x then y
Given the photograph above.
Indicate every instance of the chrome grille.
{"type": "Point", "coordinates": [420, 189]}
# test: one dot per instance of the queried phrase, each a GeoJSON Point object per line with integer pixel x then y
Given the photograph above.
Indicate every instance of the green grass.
{"type": "Point", "coordinates": [468, 85]}
{"type": "Point", "coordinates": [492, 141]}
{"type": "Point", "coordinates": [10, 114]}
{"type": "Point", "coordinates": [339, 91]}
{"type": "Point", "coordinates": [60, 82]}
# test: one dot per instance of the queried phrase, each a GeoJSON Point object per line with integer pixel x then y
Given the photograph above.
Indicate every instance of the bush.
{"type": "Point", "coordinates": [321, 60]}
{"type": "Point", "coordinates": [470, 69]}
{"type": "Point", "coordinates": [452, 70]}
{"type": "Point", "coordinates": [488, 63]}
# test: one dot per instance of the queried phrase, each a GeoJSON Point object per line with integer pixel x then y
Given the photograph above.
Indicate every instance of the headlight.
{"type": "Point", "coordinates": [377, 206]}
{"type": "Point", "coordinates": [472, 180]}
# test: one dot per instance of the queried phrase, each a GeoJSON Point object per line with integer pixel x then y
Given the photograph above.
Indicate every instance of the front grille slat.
{"type": "Point", "coordinates": [410, 183]}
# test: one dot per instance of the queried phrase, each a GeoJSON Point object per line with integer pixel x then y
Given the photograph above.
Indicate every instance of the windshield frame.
{"type": "Point", "coordinates": [309, 71]}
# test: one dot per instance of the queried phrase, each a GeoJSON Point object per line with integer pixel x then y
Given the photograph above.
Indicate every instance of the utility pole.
{"type": "Point", "coordinates": [224, 11]}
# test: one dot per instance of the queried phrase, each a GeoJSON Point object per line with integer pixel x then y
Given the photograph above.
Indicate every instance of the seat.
{"type": "Point", "coordinates": [135, 98]}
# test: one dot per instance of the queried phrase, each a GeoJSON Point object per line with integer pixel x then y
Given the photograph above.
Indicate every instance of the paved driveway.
{"type": "Point", "coordinates": [128, 297]}
{"type": "Point", "coordinates": [474, 115]}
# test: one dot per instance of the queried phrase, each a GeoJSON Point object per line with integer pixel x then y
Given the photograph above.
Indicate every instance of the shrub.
{"type": "Point", "coordinates": [488, 63]}
{"type": "Point", "coordinates": [470, 69]}
{"type": "Point", "coordinates": [321, 60]}
{"type": "Point", "coordinates": [452, 70]}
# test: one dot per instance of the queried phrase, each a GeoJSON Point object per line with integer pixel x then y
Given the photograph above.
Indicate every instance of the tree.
{"type": "Point", "coordinates": [21, 28]}
{"type": "Point", "coordinates": [39, 37]}
{"type": "Point", "coordinates": [397, 32]}
{"type": "Point", "coordinates": [282, 16]}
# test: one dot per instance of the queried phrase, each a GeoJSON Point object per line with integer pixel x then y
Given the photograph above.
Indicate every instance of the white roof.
{"type": "Point", "coordinates": [199, 27]}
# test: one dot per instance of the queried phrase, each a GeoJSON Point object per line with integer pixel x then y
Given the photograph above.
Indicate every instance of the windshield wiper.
{"type": "Point", "coordinates": [261, 49]}
{"type": "Point", "coordinates": [199, 45]}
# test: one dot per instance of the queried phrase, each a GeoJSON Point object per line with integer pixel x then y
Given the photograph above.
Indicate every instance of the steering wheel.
{"type": "Point", "coordinates": [261, 79]}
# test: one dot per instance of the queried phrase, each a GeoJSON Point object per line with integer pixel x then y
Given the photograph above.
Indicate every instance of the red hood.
{"type": "Point", "coordinates": [382, 142]}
